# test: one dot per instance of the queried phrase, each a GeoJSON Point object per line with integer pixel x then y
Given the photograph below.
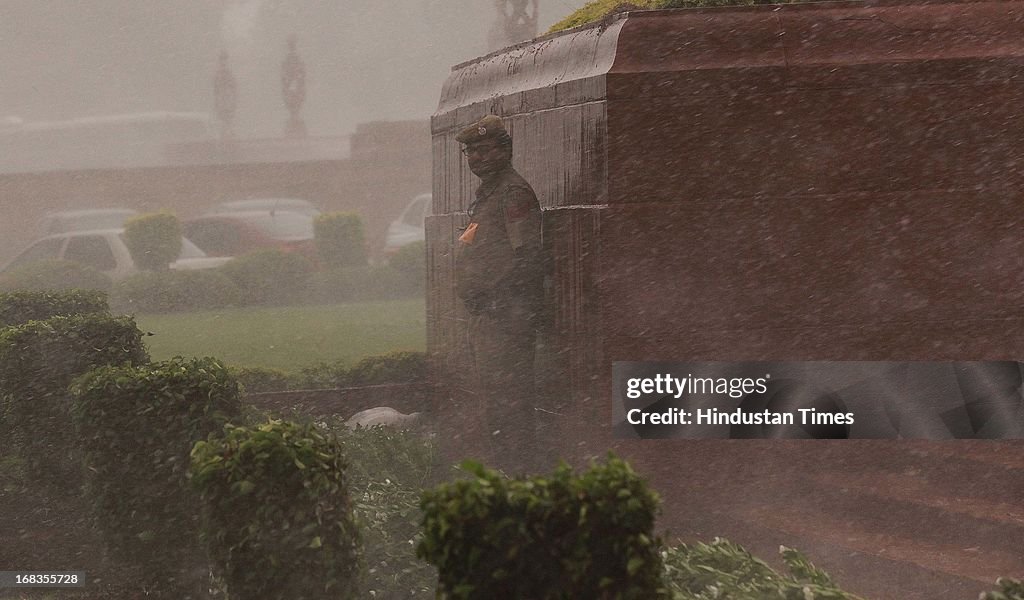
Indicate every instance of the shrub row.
{"type": "Point", "coordinates": [172, 291]}
{"type": "Point", "coordinates": [52, 274]}
{"type": "Point", "coordinates": [17, 308]}
{"type": "Point", "coordinates": [394, 367]}
{"type": "Point", "coordinates": [265, 278]}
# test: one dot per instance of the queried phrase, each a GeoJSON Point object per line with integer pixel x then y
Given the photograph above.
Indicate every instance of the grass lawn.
{"type": "Point", "coordinates": [289, 337]}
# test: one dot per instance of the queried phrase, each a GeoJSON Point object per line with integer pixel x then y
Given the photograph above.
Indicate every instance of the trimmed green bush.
{"type": "Point", "coordinates": [723, 569]}
{"type": "Point", "coordinates": [52, 274]}
{"type": "Point", "coordinates": [38, 360]}
{"type": "Point", "coordinates": [411, 262]}
{"type": "Point", "coordinates": [339, 239]}
{"type": "Point", "coordinates": [154, 240]}
{"type": "Point", "coordinates": [136, 426]}
{"type": "Point", "coordinates": [175, 291]}
{"type": "Point", "coordinates": [17, 308]}
{"type": "Point", "coordinates": [270, 276]}
{"type": "Point", "coordinates": [555, 537]}
{"type": "Point", "coordinates": [278, 517]}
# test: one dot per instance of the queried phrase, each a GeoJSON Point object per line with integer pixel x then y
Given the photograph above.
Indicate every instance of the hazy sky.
{"type": "Point", "coordinates": [365, 59]}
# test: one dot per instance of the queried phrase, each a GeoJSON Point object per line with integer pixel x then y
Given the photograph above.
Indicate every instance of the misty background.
{"type": "Point", "coordinates": [366, 60]}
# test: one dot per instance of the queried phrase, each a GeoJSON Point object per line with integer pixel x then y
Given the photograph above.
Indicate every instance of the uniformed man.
{"type": "Point", "coordinates": [500, 278]}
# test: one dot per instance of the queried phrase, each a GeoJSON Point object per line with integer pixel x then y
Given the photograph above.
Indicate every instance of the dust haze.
{"type": "Point", "coordinates": [365, 60]}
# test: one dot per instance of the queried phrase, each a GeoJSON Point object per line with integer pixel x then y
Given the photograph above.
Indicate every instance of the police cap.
{"type": "Point", "coordinates": [487, 128]}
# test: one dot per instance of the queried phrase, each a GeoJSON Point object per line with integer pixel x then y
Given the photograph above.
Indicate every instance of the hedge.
{"type": "Point", "coordinates": [278, 516]}
{"type": "Point", "coordinates": [18, 308]}
{"type": "Point", "coordinates": [175, 291]}
{"type": "Point", "coordinates": [136, 426]}
{"type": "Point", "coordinates": [561, 536]}
{"type": "Point", "coordinates": [53, 274]}
{"type": "Point", "coordinates": [270, 276]}
{"type": "Point", "coordinates": [262, 379]}
{"type": "Point", "coordinates": [394, 367]}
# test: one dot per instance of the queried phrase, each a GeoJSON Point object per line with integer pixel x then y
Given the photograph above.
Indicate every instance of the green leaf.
{"type": "Point", "coordinates": [634, 565]}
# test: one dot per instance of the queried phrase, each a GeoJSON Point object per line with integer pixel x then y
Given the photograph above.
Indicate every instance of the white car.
{"type": "Point", "coordinates": [105, 251]}
{"type": "Point", "coordinates": [295, 205]}
{"type": "Point", "coordinates": [409, 227]}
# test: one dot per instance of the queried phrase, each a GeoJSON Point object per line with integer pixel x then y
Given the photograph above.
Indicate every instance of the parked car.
{"type": "Point", "coordinates": [410, 225]}
{"type": "Point", "coordinates": [304, 207]}
{"type": "Point", "coordinates": [89, 219]}
{"type": "Point", "coordinates": [238, 233]}
{"type": "Point", "coordinates": [105, 251]}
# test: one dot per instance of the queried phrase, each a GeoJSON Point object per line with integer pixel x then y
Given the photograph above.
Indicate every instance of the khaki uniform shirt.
{"type": "Point", "coordinates": [499, 259]}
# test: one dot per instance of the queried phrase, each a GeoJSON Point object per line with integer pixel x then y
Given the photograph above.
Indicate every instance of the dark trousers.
{"type": "Point", "coordinates": [504, 348]}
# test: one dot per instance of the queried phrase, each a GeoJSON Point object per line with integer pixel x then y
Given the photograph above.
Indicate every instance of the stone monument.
{"type": "Point", "coordinates": [293, 88]}
{"type": "Point", "coordinates": [225, 96]}
{"type": "Point", "coordinates": [514, 23]}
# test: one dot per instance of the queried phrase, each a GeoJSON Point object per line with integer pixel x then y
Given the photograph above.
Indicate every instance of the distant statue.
{"type": "Point", "coordinates": [293, 88]}
{"type": "Point", "coordinates": [225, 96]}
{"type": "Point", "coordinates": [514, 23]}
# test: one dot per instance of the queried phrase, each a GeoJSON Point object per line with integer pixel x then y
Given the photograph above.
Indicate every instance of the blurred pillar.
{"type": "Point", "coordinates": [293, 88]}
{"type": "Point", "coordinates": [513, 24]}
{"type": "Point", "coordinates": [225, 96]}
